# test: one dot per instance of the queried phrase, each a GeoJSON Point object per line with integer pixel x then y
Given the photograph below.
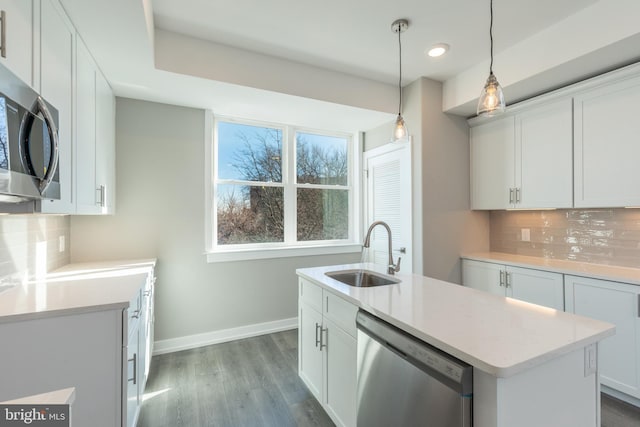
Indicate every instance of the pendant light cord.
{"type": "Point", "coordinates": [491, 36]}
{"type": "Point", "coordinates": [400, 62]}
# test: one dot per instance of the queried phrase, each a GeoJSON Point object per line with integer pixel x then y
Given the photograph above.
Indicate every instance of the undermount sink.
{"type": "Point", "coordinates": [361, 278]}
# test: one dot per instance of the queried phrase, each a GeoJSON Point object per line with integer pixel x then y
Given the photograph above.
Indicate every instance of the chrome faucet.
{"type": "Point", "coordinates": [391, 267]}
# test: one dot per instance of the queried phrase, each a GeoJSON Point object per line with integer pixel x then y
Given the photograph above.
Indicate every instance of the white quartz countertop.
{"type": "Point", "coordinates": [585, 269]}
{"type": "Point", "coordinates": [75, 288]}
{"type": "Point", "coordinates": [501, 336]}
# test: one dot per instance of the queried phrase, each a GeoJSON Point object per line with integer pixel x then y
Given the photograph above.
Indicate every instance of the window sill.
{"type": "Point", "coordinates": [295, 251]}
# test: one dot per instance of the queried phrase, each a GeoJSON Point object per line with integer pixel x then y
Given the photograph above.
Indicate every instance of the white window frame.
{"type": "Point", "coordinates": [290, 247]}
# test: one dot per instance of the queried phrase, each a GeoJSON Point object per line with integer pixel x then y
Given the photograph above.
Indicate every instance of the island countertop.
{"type": "Point", "coordinates": [498, 335]}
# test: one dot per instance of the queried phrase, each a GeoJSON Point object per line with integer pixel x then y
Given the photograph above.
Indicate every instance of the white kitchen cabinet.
{"type": "Point", "coordinates": [606, 145]}
{"type": "Point", "coordinates": [535, 286]}
{"type": "Point", "coordinates": [56, 86]}
{"type": "Point", "coordinates": [327, 351]}
{"type": "Point", "coordinates": [105, 145]}
{"type": "Point", "coordinates": [524, 161]}
{"type": "Point", "coordinates": [95, 143]}
{"type": "Point", "coordinates": [19, 47]}
{"type": "Point", "coordinates": [493, 164]}
{"type": "Point", "coordinates": [617, 303]}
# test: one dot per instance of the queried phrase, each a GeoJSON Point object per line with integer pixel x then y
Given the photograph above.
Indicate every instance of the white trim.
{"type": "Point", "coordinates": [215, 337]}
{"type": "Point", "coordinates": [208, 182]}
{"type": "Point", "coordinates": [283, 252]}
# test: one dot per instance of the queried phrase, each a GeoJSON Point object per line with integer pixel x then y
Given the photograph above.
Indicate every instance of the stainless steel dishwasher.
{"type": "Point", "coordinates": [403, 381]}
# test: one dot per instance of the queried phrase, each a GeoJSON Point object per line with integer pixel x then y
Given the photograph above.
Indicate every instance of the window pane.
{"type": "Point", "coordinates": [321, 159]}
{"type": "Point", "coordinates": [323, 214]}
{"type": "Point", "coordinates": [250, 214]}
{"type": "Point", "coordinates": [250, 153]}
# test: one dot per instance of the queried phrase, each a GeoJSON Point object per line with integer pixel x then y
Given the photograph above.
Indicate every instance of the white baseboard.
{"type": "Point", "coordinates": [225, 335]}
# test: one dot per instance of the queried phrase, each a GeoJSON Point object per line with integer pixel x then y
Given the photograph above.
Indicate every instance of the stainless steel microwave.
{"type": "Point", "coordinates": [28, 143]}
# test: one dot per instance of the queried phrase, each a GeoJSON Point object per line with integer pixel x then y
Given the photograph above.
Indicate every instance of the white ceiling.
{"type": "Point", "coordinates": [334, 63]}
{"type": "Point", "coordinates": [355, 37]}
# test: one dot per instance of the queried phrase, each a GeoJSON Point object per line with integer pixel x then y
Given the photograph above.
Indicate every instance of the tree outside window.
{"type": "Point", "coordinates": [257, 182]}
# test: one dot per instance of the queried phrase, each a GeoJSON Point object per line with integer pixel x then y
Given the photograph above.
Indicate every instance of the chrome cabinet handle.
{"type": "Point", "coordinates": [136, 314]}
{"type": "Point", "coordinates": [323, 344]}
{"type": "Point", "coordinates": [135, 368]}
{"type": "Point", "coordinates": [101, 198]}
{"type": "Point", "coordinates": [501, 278]}
{"type": "Point", "coordinates": [511, 195]}
{"type": "Point", "coordinates": [318, 339]}
{"type": "Point", "coordinates": [3, 34]}
{"type": "Point", "coordinates": [508, 279]}
{"type": "Point", "coordinates": [518, 195]}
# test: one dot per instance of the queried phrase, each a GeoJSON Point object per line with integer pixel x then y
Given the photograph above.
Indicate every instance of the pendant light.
{"type": "Point", "coordinates": [400, 129]}
{"type": "Point", "coordinates": [491, 100]}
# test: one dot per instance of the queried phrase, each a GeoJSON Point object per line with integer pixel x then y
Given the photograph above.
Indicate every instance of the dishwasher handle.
{"type": "Point", "coordinates": [447, 369]}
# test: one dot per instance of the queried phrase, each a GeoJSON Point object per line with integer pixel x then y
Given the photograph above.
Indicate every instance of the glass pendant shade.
{"type": "Point", "coordinates": [400, 129]}
{"type": "Point", "coordinates": [491, 98]}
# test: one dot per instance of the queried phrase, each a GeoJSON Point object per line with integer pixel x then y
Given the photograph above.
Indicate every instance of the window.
{"type": "Point", "coordinates": [279, 187]}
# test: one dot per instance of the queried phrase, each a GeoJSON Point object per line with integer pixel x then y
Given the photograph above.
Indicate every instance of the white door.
{"type": "Point", "coordinates": [537, 287]}
{"type": "Point", "coordinates": [388, 199]}
{"type": "Point", "coordinates": [483, 276]}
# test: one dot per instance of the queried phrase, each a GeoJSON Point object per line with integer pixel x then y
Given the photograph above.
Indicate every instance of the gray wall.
{"type": "Point", "coordinates": [160, 213]}
{"type": "Point", "coordinates": [443, 225]}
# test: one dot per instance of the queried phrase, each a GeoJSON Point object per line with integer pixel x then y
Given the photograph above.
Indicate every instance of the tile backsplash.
{"type": "Point", "coordinates": [30, 245]}
{"type": "Point", "coordinates": [602, 236]}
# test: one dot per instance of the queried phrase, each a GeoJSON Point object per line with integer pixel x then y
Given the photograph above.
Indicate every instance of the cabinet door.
{"type": "Point", "coordinates": [607, 147]}
{"type": "Point", "coordinates": [309, 354]}
{"type": "Point", "coordinates": [340, 380]}
{"type": "Point", "coordinates": [133, 376]}
{"type": "Point", "coordinates": [535, 286]}
{"type": "Point", "coordinates": [19, 38]}
{"type": "Point", "coordinates": [105, 145]}
{"type": "Point", "coordinates": [86, 131]}
{"type": "Point", "coordinates": [484, 276]}
{"type": "Point", "coordinates": [544, 155]}
{"type": "Point", "coordinates": [617, 303]}
{"type": "Point", "coordinates": [56, 56]}
{"type": "Point", "coordinates": [492, 164]}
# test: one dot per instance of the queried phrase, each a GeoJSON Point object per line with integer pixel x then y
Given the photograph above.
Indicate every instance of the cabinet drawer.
{"type": "Point", "coordinates": [133, 313]}
{"type": "Point", "coordinates": [311, 294]}
{"type": "Point", "coordinates": [341, 312]}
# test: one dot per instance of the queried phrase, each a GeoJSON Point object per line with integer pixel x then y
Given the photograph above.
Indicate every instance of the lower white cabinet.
{"type": "Point", "coordinates": [617, 303]}
{"type": "Point", "coordinates": [327, 351]}
{"type": "Point", "coordinates": [535, 286]}
{"type": "Point", "coordinates": [100, 353]}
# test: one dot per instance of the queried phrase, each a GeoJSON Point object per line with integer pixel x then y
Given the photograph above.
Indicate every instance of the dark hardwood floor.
{"type": "Point", "coordinates": [254, 382]}
{"type": "Point", "coordinates": [249, 382]}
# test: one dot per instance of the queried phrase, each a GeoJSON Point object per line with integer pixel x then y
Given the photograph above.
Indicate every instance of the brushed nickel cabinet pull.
{"type": "Point", "coordinates": [135, 368]}
{"type": "Point", "coordinates": [508, 279]}
{"type": "Point", "coordinates": [323, 344]}
{"type": "Point", "coordinates": [3, 34]}
{"type": "Point", "coordinates": [511, 195]}
{"type": "Point", "coordinates": [518, 195]}
{"type": "Point", "coordinates": [318, 339]}
{"type": "Point", "coordinates": [501, 278]}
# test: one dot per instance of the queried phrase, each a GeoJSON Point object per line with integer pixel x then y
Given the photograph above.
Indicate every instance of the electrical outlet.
{"type": "Point", "coordinates": [61, 243]}
{"type": "Point", "coordinates": [590, 360]}
{"type": "Point", "coordinates": [525, 235]}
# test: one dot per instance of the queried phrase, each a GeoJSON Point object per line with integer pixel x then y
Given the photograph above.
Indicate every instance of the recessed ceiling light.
{"type": "Point", "coordinates": [438, 50]}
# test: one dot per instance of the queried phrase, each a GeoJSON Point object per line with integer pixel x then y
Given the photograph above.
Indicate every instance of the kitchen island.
{"type": "Point", "coordinates": [532, 365]}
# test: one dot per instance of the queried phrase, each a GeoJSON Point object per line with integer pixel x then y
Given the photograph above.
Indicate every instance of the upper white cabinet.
{"type": "Point", "coordinates": [105, 145]}
{"type": "Point", "coordinates": [95, 130]}
{"type": "Point", "coordinates": [544, 150]}
{"type": "Point", "coordinates": [493, 164]}
{"type": "Point", "coordinates": [535, 286]}
{"type": "Point", "coordinates": [607, 145]}
{"type": "Point", "coordinates": [523, 160]}
{"type": "Point", "coordinates": [17, 27]}
{"type": "Point", "coordinates": [56, 86]}
{"type": "Point", "coordinates": [617, 303]}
